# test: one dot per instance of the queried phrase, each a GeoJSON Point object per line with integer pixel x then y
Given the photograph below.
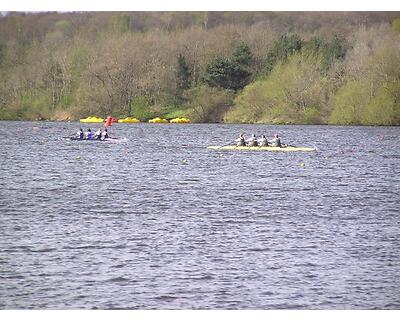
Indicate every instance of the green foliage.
{"type": "Point", "coordinates": [335, 50]}
{"type": "Point", "coordinates": [292, 93]}
{"type": "Point", "coordinates": [283, 47]}
{"type": "Point", "coordinates": [175, 112]}
{"type": "Point", "coordinates": [231, 73]}
{"type": "Point", "coordinates": [348, 103]}
{"type": "Point", "coordinates": [34, 107]}
{"type": "Point", "coordinates": [330, 52]}
{"type": "Point", "coordinates": [183, 74]}
{"type": "Point", "coordinates": [311, 115]}
{"type": "Point", "coordinates": [381, 109]}
{"type": "Point", "coordinates": [3, 52]}
{"type": "Point", "coordinates": [56, 65]}
{"type": "Point", "coordinates": [242, 55]}
{"type": "Point", "coordinates": [373, 99]}
{"type": "Point", "coordinates": [208, 104]}
{"type": "Point", "coordinates": [396, 25]}
{"type": "Point", "coordinates": [315, 44]}
{"type": "Point", "coordinates": [120, 23]}
{"type": "Point", "coordinates": [64, 26]}
{"type": "Point", "coordinates": [140, 108]}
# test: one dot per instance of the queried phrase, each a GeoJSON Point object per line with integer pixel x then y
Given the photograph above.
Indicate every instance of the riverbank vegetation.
{"type": "Point", "coordinates": [240, 67]}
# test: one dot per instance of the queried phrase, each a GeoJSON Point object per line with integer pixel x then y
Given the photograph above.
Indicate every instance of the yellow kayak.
{"type": "Point", "coordinates": [158, 120]}
{"type": "Point", "coordinates": [92, 120]}
{"type": "Point", "coordinates": [128, 120]}
{"type": "Point", "coordinates": [285, 149]}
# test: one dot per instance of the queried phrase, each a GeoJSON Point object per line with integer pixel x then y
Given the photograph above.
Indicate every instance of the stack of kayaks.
{"type": "Point", "coordinates": [92, 120]}
{"type": "Point", "coordinates": [158, 120]}
{"type": "Point", "coordinates": [180, 120]}
{"type": "Point", "coordinates": [284, 149]}
{"type": "Point", "coordinates": [128, 120]}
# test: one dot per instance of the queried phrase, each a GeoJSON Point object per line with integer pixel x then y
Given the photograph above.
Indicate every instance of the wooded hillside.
{"type": "Point", "coordinates": [255, 67]}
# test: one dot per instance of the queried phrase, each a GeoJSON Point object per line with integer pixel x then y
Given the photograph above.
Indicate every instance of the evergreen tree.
{"type": "Point", "coordinates": [242, 55]}
{"type": "Point", "coordinates": [183, 74]}
{"type": "Point", "coordinates": [335, 50]}
{"type": "Point", "coordinates": [283, 47]}
{"type": "Point", "coordinates": [230, 73]}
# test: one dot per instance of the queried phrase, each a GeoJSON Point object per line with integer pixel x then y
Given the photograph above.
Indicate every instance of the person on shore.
{"type": "Point", "coordinates": [253, 141]}
{"type": "Point", "coordinates": [104, 135]}
{"type": "Point", "coordinates": [263, 141]}
{"type": "Point", "coordinates": [276, 142]}
{"type": "Point", "coordinates": [79, 134]}
{"type": "Point", "coordinates": [89, 134]}
{"type": "Point", "coordinates": [97, 134]}
{"type": "Point", "coordinates": [240, 142]}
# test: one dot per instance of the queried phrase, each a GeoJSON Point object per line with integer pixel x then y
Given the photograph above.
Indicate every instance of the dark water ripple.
{"type": "Point", "coordinates": [129, 226]}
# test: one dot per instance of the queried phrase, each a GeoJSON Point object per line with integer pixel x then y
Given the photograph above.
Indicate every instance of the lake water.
{"type": "Point", "coordinates": [130, 225]}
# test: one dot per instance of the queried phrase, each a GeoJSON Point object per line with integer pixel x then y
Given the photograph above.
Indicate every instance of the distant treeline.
{"type": "Point", "coordinates": [252, 67]}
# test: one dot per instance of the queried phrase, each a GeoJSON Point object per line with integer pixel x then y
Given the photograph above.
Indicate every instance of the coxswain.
{"type": "Point", "coordinates": [240, 141]}
{"type": "Point", "coordinates": [89, 134]}
{"type": "Point", "coordinates": [97, 134]}
{"type": "Point", "coordinates": [79, 134]}
{"type": "Point", "coordinates": [263, 141]}
{"type": "Point", "coordinates": [276, 142]}
{"type": "Point", "coordinates": [253, 141]}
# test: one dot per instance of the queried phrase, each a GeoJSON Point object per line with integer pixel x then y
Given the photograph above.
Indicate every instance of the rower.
{"type": "Point", "coordinates": [79, 134]}
{"type": "Point", "coordinates": [89, 134]}
{"type": "Point", "coordinates": [240, 141]}
{"type": "Point", "coordinates": [97, 135]}
{"type": "Point", "coordinates": [104, 135]}
{"type": "Point", "coordinates": [253, 141]}
{"type": "Point", "coordinates": [276, 142]}
{"type": "Point", "coordinates": [263, 141]}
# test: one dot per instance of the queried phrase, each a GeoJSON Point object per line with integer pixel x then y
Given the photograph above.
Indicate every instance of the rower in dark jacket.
{"type": "Point", "coordinates": [79, 134]}
{"type": "Point", "coordinates": [240, 141]}
{"type": "Point", "coordinates": [276, 142]}
{"type": "Point", "coordinates": [263, 141]}
{"type": "Point", "coordinates": [253, 141]}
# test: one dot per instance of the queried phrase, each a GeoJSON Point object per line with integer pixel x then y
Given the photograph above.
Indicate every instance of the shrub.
{"type": "Point", "coordinates": [208, 104]}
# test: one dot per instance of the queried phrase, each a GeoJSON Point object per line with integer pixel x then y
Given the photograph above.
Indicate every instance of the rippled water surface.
{"type": "Point", "coordinates": [131, 225]}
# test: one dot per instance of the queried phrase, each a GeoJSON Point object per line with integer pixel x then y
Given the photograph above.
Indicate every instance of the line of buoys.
{"type": "Point", "coordinates": [109, 120]}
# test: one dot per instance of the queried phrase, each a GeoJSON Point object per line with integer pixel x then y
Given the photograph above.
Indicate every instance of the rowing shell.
{"type": "Point", "coordinates": [285, 149]}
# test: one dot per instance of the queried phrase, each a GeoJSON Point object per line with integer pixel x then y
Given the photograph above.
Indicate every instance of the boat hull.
{"type": "Point", "coordinates": [276, 149]}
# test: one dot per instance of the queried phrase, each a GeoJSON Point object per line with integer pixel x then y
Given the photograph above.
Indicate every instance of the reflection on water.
{"type": "Point", "coordinates": [131, 225]}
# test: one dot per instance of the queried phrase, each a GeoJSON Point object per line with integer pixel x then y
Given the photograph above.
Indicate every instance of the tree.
{"type": "Point", "coordinates": [396, 25]}
{"type": "Point", "coordinates": [231, 73]}
{"type": "Point", "coordinates": [283, 47]}
{"type": "Point", "coordinates": [242, 55]}
{"type": "Point", "coordinates": [335, 50]}
{"type": "Point", "coordinates": [294, 92]}
{"type": "Point", "coordinates": [183, 75]}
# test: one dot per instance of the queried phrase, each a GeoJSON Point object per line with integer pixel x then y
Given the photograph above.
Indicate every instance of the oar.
{"type": "Point", "coordinates": [225, 145]}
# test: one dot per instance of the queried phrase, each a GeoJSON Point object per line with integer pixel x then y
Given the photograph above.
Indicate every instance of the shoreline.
{"type": "Point", "coordinates": [206, 123]}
